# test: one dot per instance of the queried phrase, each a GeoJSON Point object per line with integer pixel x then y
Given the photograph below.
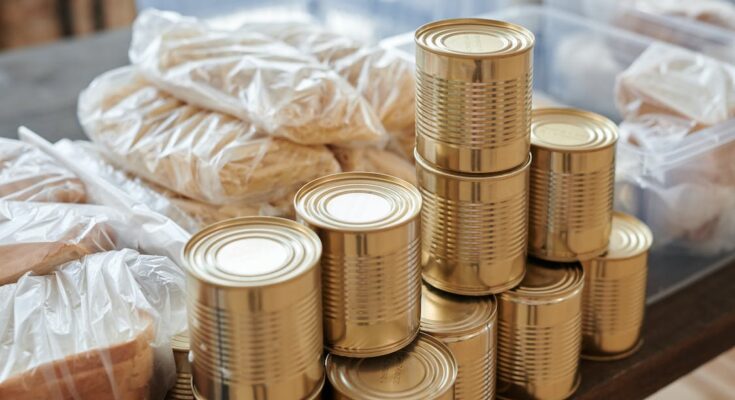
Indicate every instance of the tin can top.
{"type": "Point", "coordinates": [629, 237]}
{"type": "Point", "coordinates": [425, 369]}
{"type": "Point", "coordinates": [546, 282]}
{"type": "Point", "coordinates": [357, 202]}
{"type": "Point", "coordinates": [474, 38]}
{"type": "Point", "coordinates": [568, 129]}
{"type": "Point", "coordinates": [180, 342]}
{"type": "Point", "coordinates": [251, 252]}
{"type": "Point", "coordinates": [445, 314]}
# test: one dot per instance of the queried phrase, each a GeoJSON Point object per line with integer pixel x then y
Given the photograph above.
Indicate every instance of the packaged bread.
{"type": "Point", "coordinates": [376, 160]}
{"type": "Point", "coordinates": [203, 155]}
{"type": "Point", "coordinates": [38, 237]}
{"type": "Point", "coordinates": [98, 328]}
{"type": "Point", "coordinates": [671, 80]}
{"type": "Point", "coordinates": [383, 76]}
{"type": "Point", "coordinates": [27, 174]}
{"type": "Point", "coordinates": [714, 12]}
{"type": "Point", "coordinates": [272, 85]}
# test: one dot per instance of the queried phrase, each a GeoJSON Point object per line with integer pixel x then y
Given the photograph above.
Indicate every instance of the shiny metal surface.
{"type": "Point", "coordinates": [614, 299]}
{"type": "Point", "coordinates": [254, 305]}
{"type": "Point", "coordinates": [474, 237]}
{"type": "Point", "coordinates": [182, 387]}
{"type": "Point", "coordinates": [540, 333]}
{"type": "Point", "coordinates": [370, 229]}
{"type": "Point", "coordinates": [424, 370]}
{"type": "Point", "coordinates": [473, 94]}
{"type": "Point", "coordinates": [572, 184]}
{"type": "Point", "coordinates": [467, 325]}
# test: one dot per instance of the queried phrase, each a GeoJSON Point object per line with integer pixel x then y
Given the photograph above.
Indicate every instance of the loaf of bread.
{"type": "Point", "coordinates": [251, 76]}
{"type": "Point", "coordinates": [203, 155]}
{"type": "Point", "coordinates": [28, 174]}
{"type": "Point", "coordinates": [376, 160]}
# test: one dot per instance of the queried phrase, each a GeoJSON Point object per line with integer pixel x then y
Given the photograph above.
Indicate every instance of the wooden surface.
{"type": "Point", "coordinates": [683, 330]}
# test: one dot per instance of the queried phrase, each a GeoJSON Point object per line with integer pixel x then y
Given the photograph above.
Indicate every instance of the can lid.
{"type": "Point", "coordinates": [547, 281]}
{"type": "Point", "coordinates": [425, 369]}
{"type": "Point", "coordinates": [445, 314]}
{"type": "Point", "coordinates": [251, 251]}
{"type": "Point", "coordinates": [474, 38]}
{"type": "Point", "coordinates": [357, 201]}
{"type": "Point", "coordinates": [180, 342]}
{"type": "Point", "coordinates": [568, 129]}
{"type": "Point", "coordinates": [629, 237]}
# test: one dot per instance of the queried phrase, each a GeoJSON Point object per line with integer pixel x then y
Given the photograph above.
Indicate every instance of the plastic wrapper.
{"type": "Point", "coordinates": [251, 76]}
{"type": "Point", "coordinates": [655, 131]}
{"type": "Point", "coordinates": [376, 160]}
{"type": "Point", "coordinates": [670, 80]}
{"type": "Point", "coordinates": [383, 76]}
{"type": "Point", "coordinates": [27, 174]}
{"type": "Point", "coordinates": [203, 155]}
{"type": "Point", "coordinates": [714, 12]}
{"type": "Point", "coordinates": [98, 328]}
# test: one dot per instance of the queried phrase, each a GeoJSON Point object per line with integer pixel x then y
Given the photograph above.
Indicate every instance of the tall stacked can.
{"type": "Point", "coordinates": [182, 388]}
{"type": "Point", "coordinates": [473, 114]}
{"type": "Point", "coordinates": [371, 277]}
{"type": "Point", "coordinates": [572, 184]}
{"type": "Point", "coordinates": [539, 333]}
{"type": "Point", "coordinates": [423, 370]}
{"type": "Point", "coordinates": [467, 325]}
{"type": "Point", "coordinates": [254, 306]}
{"type": "Point", "coordinates": [614, 298]}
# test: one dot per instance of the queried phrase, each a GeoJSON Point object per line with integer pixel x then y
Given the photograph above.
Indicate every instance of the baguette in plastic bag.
{"type": "Point", "coordinates": [203, 155]}
{"type": "Point", "coordinates": [27, 174]}
{"type": "Point", "coordinates": [253, 77]}
{"type": "Point", "coordinates": [376, 160]}
{"type": "Point", "coordinates": [98, 328]}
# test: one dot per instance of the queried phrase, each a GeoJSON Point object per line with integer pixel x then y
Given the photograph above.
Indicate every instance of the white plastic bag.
{"type": "Point", "coordinates": [250, 76]}
{"type": "Point", "coordinates": [204, 155]}
{"type": "Point", "coordinates": [714, 12]}
{"type": "Point", "coordinates": [98, 328]}
{"type": "Point", "coordinates": [27, 174]}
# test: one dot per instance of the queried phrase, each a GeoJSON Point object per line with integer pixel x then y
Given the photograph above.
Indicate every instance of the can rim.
{"type": "Point", "coordinates": [602, 121]}
{"type": "Point", "coordinates": [410, 194]}
{"type": "Point", "coordinates": [636, 227]}
{"type": "Point", "coordinates": [420, 33]}
{"type": "Point", "coordinates": [490, 176]}
{"type": "Point", "coordinates": [487, 307]}
{"type": "Point", "coordinates": [569, 286]}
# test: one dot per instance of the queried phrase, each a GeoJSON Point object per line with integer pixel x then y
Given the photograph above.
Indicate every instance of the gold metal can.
{"type": "Point", "coordinates": [467, 325]}
{"type": "Point", "coordinates": [182, 388]}
{"type": "Point", "coordinates": [371, 276]}
{"type": "Point", "coordinates": [254, 305]}
{"type": "Point", "coordinates": [540, 333]}
{"type": "Point", "coordinates": [424, 370]}
{"type": "Point", "coordinates": [614, 299]}
{"type": "Point", "coordinates": [474, 81]}
{"type": "Point", "coordinates": [572, 184]}
{"type": "Point", "coordinates": [474, 229]}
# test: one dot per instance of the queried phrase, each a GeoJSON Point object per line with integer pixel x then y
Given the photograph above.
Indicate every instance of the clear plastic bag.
{"type": "Point", "coordinates": [248, 75]}
{"type": "Point", "coordinates": [670, 80]}
{"type": "Point", "coordinates": [98, 328]}
{"type": "Point", "coordinates": [203, 155]}
{"type": "Point", "coordinates": [715, 12]}
{"type": "Point", "coordinates": [376, 160]}
{"type": "Point", "coordinates": [27, 174]}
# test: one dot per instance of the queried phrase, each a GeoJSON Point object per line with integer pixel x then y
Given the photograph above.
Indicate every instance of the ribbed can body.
{"type": "Point", "coordinates": [476, 358]}
{"type": "Point", "coordinates": [474, 236]}
{"type": "Point", "coordinates": [182, 388]}
{"type": "Point", "coordinates": [474, 82]}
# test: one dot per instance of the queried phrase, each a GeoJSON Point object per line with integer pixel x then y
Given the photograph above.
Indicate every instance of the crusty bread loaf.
{"type": "Point", "coordinates": [203, 155]}
{"type": "Point", "coordinates": [28, 174]}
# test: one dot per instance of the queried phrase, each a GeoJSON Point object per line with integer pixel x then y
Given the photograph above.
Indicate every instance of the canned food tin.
{"type": "Point", "coordinates": [614, 297]}
{"type": "Point", "coordinates": [572, 183]}
{"type": "Point", "coordinates": [254, 306]}
{"type": "Point", "coordinates": [371, 277]}
{"type": "Point", "coordinates": [540, 333]}
{"type": "Point", "coordinates": [182, 388]}
{"type": "Point", "coordinates": [473, 94]}
{"type": "Point", "coordinates": [474, 229]}
{"type": "Point", "coordinates": [467, 326]}
{"type": "Point", "coordinates": [424, 370]}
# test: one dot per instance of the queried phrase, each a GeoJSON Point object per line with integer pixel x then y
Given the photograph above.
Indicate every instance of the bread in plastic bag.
{"type": "Point", "coordinates": [715, 12]}
{"type": "Point", "coordinates": [253, 77]}
{"type": "Point", "coordinates": [670, 80]}
{"type": "Point", "coordinates": [376, 160]}
{"type": "Point", "coordinates": [383, 76]}
{"type": "Point", "coordinates": [27, 174]}
{"type": "Point", "coordinates": [203, 155]}
{"type": "Point", "coordinates": [98, 328]}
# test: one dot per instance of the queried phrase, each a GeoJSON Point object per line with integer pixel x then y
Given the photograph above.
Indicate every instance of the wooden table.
{"type": "Point", "coordinates": [684, 327]}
